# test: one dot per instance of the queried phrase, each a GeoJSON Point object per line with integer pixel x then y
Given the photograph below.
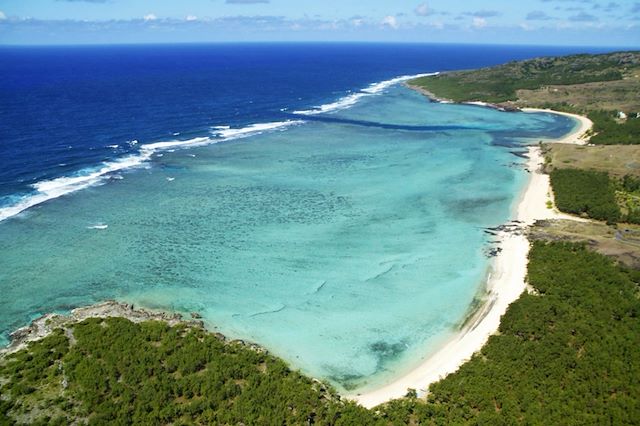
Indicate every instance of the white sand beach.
{"type": "Point", "coordinates": [505, 283]}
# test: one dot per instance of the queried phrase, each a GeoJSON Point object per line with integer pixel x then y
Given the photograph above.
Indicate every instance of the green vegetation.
{"type": "Point", "coordinates": [149, 373]}
{"type": "Point", "coordinates": [566, 356]}
{"type": "Point", "coordinates": [585, 192]}
{"type": "Point", "coordinates": [500, 83]}
{"type": "Point", "coordinates": [599, 86]}
{"type": "Point", "coordinates": [620, 162]}
{"type": "Point", "coordinates": [630, 183]}
{"type": "Point", "coordinates": [616, 95]}
{"type": "Point", "coordinates": [582, 185]}
{"type": "Point", "coordinates": [620, 242]}
{"type": "Point", "coordinates": [628, 198]}
{"type": "Point", "coordinates": [608, 131]}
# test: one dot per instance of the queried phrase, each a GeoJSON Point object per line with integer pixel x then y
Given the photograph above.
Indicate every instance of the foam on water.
{"type": "Point", "coordinates": [227, 133]}
{"type": "Point", "coordinates": [379, 87]}
{"type": "Point", "coordinates": [54, 188]}
{"type": "Point", "coordinates": [100, 226]}
{"type": "Point", "coordinates": [353, 98]}
{"type": "Point", "coordinates": [50, 189]}
{"type": "Point", "coordinates": [148, 150]}
{"type": "Point", "coordinates": [342, 103]}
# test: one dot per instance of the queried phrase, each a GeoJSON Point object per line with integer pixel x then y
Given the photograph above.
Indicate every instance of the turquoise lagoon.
{"type": "Point", "coordinates": [350, 244]}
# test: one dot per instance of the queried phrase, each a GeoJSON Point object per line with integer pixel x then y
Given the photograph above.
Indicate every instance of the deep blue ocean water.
{"type": "Point", "coordinates": [66, 108]}
{"type": "Point", "coordinates": [281, 191]}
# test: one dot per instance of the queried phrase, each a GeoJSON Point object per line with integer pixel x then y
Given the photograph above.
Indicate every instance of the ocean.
{"type": "Point", "coordinates": [294, 195]}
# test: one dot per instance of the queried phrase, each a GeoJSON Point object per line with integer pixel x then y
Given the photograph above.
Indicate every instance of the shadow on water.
{"type": "Point", "coordinates": [364, 123]}
{"type": "Point", "coordinates": [384, 353]}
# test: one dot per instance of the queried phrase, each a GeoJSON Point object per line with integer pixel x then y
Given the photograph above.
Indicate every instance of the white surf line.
{"type": "Point", "coordinates": [353, 98]}
{"type": "Point", "coordinates": [50, 189]}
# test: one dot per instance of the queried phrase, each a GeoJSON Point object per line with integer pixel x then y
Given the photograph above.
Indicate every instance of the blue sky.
{"type": "Point", "coordinates": [548, 22]}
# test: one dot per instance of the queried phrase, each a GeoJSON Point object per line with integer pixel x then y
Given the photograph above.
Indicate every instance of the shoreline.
{"type": "Point", "coordinates": [504, 285]}
{"type": "Point", "coordinates": [42, 326]}
{"type": "Point", "coordinates": [505, 282]}
{"type": "Point", "coordinates": [579, 136]}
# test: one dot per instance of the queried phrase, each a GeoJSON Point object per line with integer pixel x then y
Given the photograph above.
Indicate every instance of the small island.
{"type": "Point", "coordinates": [556, 342]}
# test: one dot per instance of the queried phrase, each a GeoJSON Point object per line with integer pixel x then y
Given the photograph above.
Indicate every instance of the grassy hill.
{"type": "Point", "coordinates": [502, 83]}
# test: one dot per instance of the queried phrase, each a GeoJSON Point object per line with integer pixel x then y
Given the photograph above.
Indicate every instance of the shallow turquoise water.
{"type": "Point", "coordinates": [350, 245]}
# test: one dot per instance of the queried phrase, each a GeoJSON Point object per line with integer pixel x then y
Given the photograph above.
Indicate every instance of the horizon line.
{"type": "Point", "coordinates": [317, 42]}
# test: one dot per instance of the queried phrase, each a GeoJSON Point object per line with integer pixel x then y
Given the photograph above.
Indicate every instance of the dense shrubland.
{"type": "Point", "coordinates": [585, 192]}
{"type": "Point", "coordinates": [597, 195]}
{"type": "Point", "coordinates": [609, 131]}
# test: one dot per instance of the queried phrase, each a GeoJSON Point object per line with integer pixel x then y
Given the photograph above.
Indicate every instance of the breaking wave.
{"type": "Point", "coordinates": [49, 189]}
{"type": "Point", "coordinates": [353, 98]}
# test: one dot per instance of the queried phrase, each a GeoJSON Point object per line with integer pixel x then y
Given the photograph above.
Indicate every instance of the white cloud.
{"type": "Point", "coordinates": [390, 21]}
{"type": "Point", "coordinates": [2, 15]}
{"type": "Point", "coordinates": [422, 9]}
{"type": "Point", "coordinates": [357, 22]}
{"type": "Point", "coordinates": [479, 22]}
{"type": "Point", "coordinates": [526, 27]}
{"type": "Point", "coordinates": [150, 17]}
{"type": "Point", "coordinates": [191, 18]}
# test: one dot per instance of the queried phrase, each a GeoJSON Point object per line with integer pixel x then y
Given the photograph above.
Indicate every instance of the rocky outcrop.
{"type": "Point", "coordinates": [43, 326]}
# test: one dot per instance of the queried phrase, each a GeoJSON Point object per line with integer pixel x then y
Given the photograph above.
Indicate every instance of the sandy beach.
{"type": "Point", "coordinates": [505, 282]}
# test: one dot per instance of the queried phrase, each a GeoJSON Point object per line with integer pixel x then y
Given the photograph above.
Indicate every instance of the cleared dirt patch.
{"type": "Point", "coordinates": [621, 242]}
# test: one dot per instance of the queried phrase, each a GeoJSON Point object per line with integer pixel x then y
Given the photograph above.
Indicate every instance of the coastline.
{"type": "Point", "coordinates": [506, 280]}
{"type": "Point", "coordinates": [427, 93]}
{"type": "Point", "coordinates": [505, 283]}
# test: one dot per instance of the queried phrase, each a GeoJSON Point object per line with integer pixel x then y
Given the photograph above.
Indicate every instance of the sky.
{"type": "Point", "coordinates": [534, 22]}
